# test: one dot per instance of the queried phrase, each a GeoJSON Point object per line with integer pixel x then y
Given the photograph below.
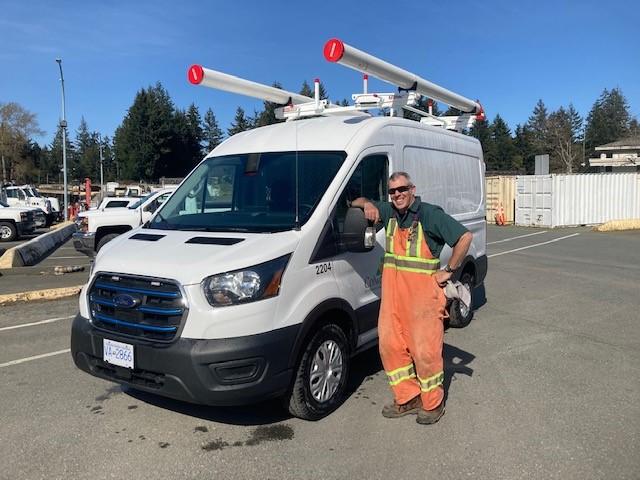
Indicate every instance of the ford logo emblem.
{"type": "Point", "coordinates": [125, 300]}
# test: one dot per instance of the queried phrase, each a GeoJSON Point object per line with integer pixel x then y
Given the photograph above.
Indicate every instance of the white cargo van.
{"type": "Point", "coordinates": [256, 279]}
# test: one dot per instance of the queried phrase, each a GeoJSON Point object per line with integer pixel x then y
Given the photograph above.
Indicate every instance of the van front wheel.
{"type": "Point", "coordinates": [460, 315]}
{"type": "Point", "coordinates": [321, 376]}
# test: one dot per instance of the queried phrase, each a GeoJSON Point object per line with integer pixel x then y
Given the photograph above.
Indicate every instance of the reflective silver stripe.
{"type": "Point", "coordinates": [411, 264]}
{"type": "Point", "coordinates": [430, 383]}
{"type": "Point", "coordinates": [401, 374]}
{"type": "Point", "coordinates": [412, 251]}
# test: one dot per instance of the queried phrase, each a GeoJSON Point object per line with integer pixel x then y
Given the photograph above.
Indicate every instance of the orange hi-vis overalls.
{"type": "Point", "coordinates": [410, 326]}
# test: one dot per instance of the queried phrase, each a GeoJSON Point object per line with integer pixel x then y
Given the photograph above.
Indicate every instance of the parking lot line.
{"type": "Point", "coordinates": [50, 320]}
{"type": "Point", "coordinates": [531, 246]}
{"type": "Point", "coordinates": [519, 236]}
{"type": "Point", "coordinates": [78, 256]}
{"type": "Point", "coordinates": [35, 357]}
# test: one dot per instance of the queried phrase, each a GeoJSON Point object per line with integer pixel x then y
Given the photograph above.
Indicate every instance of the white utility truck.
{"type": "Point", "coordinates": [29, 196]}
{"type": "Point", "coordinates": [98, 227]}
{"type": "Point", "coordinates": [256, 278]}
{"type": "Point", "coordinates": [15, 222]}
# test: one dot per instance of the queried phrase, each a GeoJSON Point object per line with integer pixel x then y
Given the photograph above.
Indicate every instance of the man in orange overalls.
{"type": "Point", "coordinates": [410, 325]}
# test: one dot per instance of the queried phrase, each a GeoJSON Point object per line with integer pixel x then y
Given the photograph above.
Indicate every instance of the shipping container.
{"type": "Point", "coordinates": [500, 190]}
{"type": "Point", "coordinates": [582, 199]}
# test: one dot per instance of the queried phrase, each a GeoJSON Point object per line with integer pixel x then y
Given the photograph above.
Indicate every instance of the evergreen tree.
{"type": "Point", "coordinates": [634, 128]}
{"type": "Point", "coordinates": [524, 160]}
{"type": "Point", "coordinates": [109, 165]}
{"type": "Point", "coordinates": [85, 162]}
{"type": "Point", "coordinates": [268, 114]}
{"type": "Point", "coordinates": [537, 126]}
{"type": "Point", "coordinates": [240, 123]}
{"type": "Point", "coordinates": [185, 144]}
{"type": "Point", "coordinates": [196, 133]}
{"type": "Point", "coordinates": [309, 90]}
{"type": "Point", "coordinates": [55, 160]}
{"type": "Point", "coordinates": [143, 142]}
{"type": "Point", "coordinates": [212, 133]}
{"type": "Point", "coordinates": [503, 148]}
{"type": "Point", "coordinates": [306, 90]}
{"type": "Point", "coordinates": [453, 112]}
{"type": "Point", "coordinates": [482, 131]}
{"type": "Point", "coordinates": [608, 119]}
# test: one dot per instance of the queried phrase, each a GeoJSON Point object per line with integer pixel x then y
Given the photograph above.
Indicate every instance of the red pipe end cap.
{"type": "Point", "coordinates": [195, 74]}
{"type": "Point", "coordinates": [333, 50]}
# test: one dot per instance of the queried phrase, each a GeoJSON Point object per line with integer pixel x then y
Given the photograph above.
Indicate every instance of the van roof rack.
{"type": "Point", "coordinates": [410, 88]}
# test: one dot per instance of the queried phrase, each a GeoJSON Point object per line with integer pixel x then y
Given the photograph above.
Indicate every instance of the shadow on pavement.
{"type": "Point", "coordinates": [456, 361]}
{"type": "Point", "coordinates": [363, 367]}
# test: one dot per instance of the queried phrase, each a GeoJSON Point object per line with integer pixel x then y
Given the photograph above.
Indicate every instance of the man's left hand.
{"type": "Point", "coordinates": [441, 277]}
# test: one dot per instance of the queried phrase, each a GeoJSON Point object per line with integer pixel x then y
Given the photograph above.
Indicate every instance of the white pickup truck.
{"type": "Point", "coordinates": [15, 222]}
{"type": "Point", "coordinates": [97, 227]}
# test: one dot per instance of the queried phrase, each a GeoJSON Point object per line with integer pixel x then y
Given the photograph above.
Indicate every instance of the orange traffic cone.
{"type": "Point", "coordinates": [500, 220]}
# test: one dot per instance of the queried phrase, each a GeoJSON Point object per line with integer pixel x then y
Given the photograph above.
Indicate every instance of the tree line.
{"type": "Point", "coordinates": [157, 139]}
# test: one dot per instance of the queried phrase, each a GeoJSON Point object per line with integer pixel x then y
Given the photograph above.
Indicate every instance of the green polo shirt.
{"type": "Point", "coordinates": [439, 227]}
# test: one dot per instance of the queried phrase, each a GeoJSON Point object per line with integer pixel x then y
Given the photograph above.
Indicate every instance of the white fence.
{"type": "Point", "coordinates": [583, 199]}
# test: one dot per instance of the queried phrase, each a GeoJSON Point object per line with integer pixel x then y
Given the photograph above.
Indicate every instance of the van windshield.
{"type": "Point", "coordinates": [256, 192]}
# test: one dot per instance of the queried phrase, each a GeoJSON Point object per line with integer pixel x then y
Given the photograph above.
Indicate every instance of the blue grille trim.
{"type": "Point", "coordinates": [158, 311]}
{"type": "Point", "coordinates": [161, 311]}
{"type": "Point", "coordinates": [158, 316]}
{"type": "Point", "coordinates": [149, 328]}
{"type": "Point", "coordinates": [118, 288]}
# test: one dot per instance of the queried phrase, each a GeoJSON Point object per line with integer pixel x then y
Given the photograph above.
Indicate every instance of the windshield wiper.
{"type": "Point", "coordinates": [217, 229]}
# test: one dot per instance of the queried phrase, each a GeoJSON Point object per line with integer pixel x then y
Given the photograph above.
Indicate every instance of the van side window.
{"type": "Point", "coordinates": [370, 180]}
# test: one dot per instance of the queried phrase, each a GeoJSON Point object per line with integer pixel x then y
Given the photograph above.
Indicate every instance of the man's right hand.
{"type": "Point", "coordinates": [371, 213]}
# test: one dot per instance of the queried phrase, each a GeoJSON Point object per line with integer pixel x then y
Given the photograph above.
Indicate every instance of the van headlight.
{"type": "Point", "coordinates": [246, 285]}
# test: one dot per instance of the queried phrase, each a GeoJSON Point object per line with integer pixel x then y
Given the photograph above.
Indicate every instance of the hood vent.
{"type": "Point", "coordinates": [148, 237]}
{"type": "Point", "coordinates": [215, 240]}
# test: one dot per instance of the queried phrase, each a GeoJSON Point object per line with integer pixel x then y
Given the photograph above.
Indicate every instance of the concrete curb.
{"type": "Point", "coordinates": [33, 251]}
{"type": "Point", "coordinates": [48, 294]}
{"type": "Point", "coordinates": [617, 225]}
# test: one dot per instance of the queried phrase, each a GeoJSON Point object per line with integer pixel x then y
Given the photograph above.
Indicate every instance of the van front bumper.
{"type": "Point", "coordinates": [230, 371]}
{"type": "Point", "coordinates": [85, 242]}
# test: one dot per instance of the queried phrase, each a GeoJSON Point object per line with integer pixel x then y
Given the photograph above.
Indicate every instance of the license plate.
{"type": "Point", "coordinates": [117, 353]}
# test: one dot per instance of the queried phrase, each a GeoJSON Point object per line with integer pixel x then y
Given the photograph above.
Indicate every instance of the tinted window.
{"type": "Point", "coordinates": [258, 192]}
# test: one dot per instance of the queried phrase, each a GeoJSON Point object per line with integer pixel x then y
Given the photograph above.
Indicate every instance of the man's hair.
{"type": "Point", "coordinates": [396, 175]}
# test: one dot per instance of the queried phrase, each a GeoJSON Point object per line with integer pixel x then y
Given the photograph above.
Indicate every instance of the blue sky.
{"type": "Point", "coordinates": [508, 54]}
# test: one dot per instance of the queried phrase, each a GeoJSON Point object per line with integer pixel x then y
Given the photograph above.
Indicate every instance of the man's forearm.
{"type": "Point", "coordinates": [360, 202]}
{"type": "Point", "coordinates": [370, 211]}
{"type": "Point", "coordinates": [460, 250]}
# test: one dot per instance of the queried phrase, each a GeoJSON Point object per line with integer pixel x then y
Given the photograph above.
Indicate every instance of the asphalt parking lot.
{"type": "Point", "coordinates": [544, 383]}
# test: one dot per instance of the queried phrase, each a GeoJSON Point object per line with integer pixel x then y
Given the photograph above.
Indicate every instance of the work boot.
{"type": "Point", "coordinates": [396, 410]}
{"type": "Point", "coordinates": [427, 417]}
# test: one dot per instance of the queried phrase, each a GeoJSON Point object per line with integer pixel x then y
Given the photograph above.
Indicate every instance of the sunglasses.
{"type": "Point", "coordinates": [402, 189]}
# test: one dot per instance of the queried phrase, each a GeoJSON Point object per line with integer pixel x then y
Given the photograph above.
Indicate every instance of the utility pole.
{"type": "Point", "coordinates": [63, 124]}
{"type": "Point", "coordinates": [101, 173]}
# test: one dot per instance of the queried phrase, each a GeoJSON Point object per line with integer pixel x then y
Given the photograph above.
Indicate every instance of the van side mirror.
{"type": "Point", "coordinates": [358, 235]}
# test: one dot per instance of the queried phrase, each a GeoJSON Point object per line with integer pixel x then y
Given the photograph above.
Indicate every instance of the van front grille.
{"type": "Point", "coordinates": [141, 307]}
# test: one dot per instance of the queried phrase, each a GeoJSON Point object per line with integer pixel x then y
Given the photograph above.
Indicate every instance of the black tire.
{"type": "Point", "coordinates": [327, 346]}
{"type": "Point", "coordinates": [459, 315]}
{"type": "Point", "coordinates": [104, 240]}
{"type": "Point", "coordinates": [8, 232]}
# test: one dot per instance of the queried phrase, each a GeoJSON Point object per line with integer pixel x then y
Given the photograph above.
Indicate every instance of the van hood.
{"type": "Point", "coordinates": [189, 257]}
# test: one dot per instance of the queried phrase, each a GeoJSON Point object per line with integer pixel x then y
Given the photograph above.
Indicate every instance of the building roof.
{"type": "Point", "coordinates": [622, 144]}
